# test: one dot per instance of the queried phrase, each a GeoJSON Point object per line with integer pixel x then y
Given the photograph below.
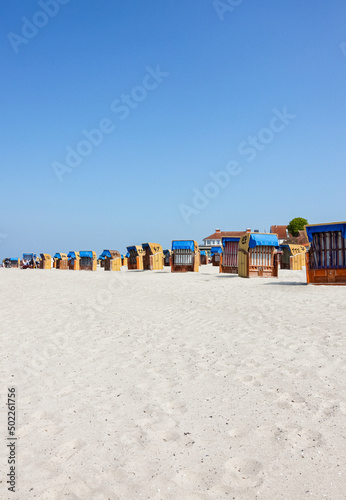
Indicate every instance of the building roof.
{"type": "Point", "coordinates": [224, 234]}
{"type": "Point", "coordinates": [301, 239]}
{"type": "Point", "coordinates": [280, 231]}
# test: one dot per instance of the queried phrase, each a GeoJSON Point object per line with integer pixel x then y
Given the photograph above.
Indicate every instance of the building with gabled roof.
{"type": "Point", "coordinates": [215, 239]}
{"type": "Point", "coordinates": [281, 231]}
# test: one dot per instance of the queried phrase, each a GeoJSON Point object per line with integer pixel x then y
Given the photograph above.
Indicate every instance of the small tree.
{"type": "Point", "coordinates": [296, 225]}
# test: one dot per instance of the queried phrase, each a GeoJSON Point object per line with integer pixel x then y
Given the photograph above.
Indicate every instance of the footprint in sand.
{"type": "Point", "coordinates": [168, 435]}
{"type": "Point", "coordinates": [47, 424]}
{"type": "Point", "coordinates": [67, 450]}
{"type": "Point", "coordinates": [189, 479]}
{"type": "Point", "coordinates": [66, 390]}
{"type": "Point", "coordinates": [298, 438]}
{"type": "Point", "coordinates": [238, 432]}
{"type": "Point", "coordinates": [328, 410]}
{"type": "Point", "coordinates": [257, 383]}
{"type": "Point", "coordinates": [80, 490]}
{"type": "Point", "coordinates": [134, 438]}
{"type": "Point", "coordinates": [306, 438]}
{"type": "Point", "coordinates": [51, 494]}
{"type": "Point", "coordinates": [174, 407]}
{"type": "Point", "coordinates": [343, 408]}
{"type": "Point", "coordinates": [243, 473]}
{"type": "Point", "coordinates": [289, 400]}
{"type": "Point", "coordinates": [194, 496]}
{"type": "Point", "coordinates": [163, 427]}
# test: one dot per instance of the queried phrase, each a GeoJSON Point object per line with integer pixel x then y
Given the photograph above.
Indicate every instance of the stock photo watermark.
{"type": "Point", "coordinates": [30, 27]}
{"type": "Point", "coordinates": [251, 147]}
{"type": "Point", "coordinates": [121, 107]}
{"type": "Point", "coordinates": [11, 439]}
{"type": "Point", "coordinates": [201, 198]}
{"type": "Point", "coordinates": [257, 143]}
{"type": "Point", "coordinates": [343, 48]}
{"type": "Point", "coordinates": [139, 93]}
{"type": "Point", "coordinates": [3, 237]}
{"type": "Point", "coordinates": [224, 7]}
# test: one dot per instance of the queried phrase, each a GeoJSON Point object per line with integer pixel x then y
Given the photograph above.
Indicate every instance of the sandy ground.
{"type": "Point", "coordinates": [173, 386]}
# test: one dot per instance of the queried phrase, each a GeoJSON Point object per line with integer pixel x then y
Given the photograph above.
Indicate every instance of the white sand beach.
{"type": "Point", "coordinates": [187, 386]}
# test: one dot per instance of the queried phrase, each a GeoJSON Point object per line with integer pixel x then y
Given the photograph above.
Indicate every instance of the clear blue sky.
{"type": "Point", "coordinates": [224, 79]}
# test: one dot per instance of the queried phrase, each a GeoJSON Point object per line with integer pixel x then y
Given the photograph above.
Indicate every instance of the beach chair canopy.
{"type": "Point", "coordinates": [111, 254]}
{"type": "Point", "coordinates": [267, 239]}
{"type": "Point", "coordinates": [14, 259]}
{"type": "Point", "coordinates": [323, 228]}
{"type": "Point", "coordinates": [28, 256]}
{"type": "Point", "coordinates": [87, 253]}
{"type": "Point", "coordinates": [167, 251]}
{"type": "Point", "coordinates": [137, 248]}
{"type": "Point", "coordinates": [45, 256]}
{"type": "Point", "coordinates": [203, 252]}
{"type": "Point", "coordinates": [72, 255]}
{"type": "Point", "coordinates": [215, 250]}
{"type": "Point", "coordinates": [105, 253]}
{"type": "Point", "coordinates": [183, 245]}
{"type": "Point", "coordinates": [60, 255]}
{"type": "Point", "coordinates": [234, 239]}
{"type": "Point", "coordinates": [127, 255]}
{"type": "Point", "coordinates": [154, 247]}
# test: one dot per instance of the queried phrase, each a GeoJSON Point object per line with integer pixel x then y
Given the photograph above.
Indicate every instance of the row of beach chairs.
{"type": "Point", "coordinates": [253, 254]}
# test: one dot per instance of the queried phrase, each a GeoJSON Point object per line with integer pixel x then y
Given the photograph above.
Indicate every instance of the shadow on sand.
{"type": "Point", "coordinates": [226, 275]}
{"type": "Point", "coordinates": [288, 283]}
